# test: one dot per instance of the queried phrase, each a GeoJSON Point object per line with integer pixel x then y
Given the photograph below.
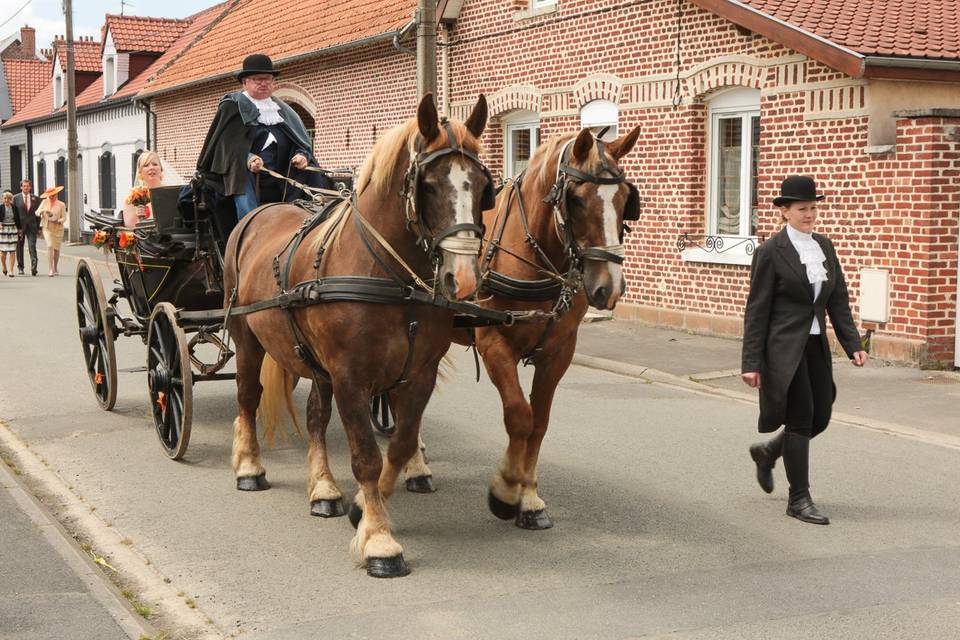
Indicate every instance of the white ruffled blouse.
{"type": "Point", "coordinates": [269, 110]}
{"type": "Point", "coordinates": [813, 258]}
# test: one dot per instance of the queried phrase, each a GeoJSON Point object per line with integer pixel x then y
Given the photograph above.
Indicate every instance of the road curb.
{"type": "Point", "coordinates": [655, 376]}
{"type": "Point", "coordinates": [153, 588]}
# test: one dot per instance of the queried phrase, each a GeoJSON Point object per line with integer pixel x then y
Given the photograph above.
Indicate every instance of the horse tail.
{"type": "Point", "coordinates": [278, 384]}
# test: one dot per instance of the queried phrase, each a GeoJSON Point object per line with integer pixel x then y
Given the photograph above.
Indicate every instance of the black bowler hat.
{"type": "Point", "coordinates": [256, 63]}
{"type": "Point", "coordinates": [797, 189]}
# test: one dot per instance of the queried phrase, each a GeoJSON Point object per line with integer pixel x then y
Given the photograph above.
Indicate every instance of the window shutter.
{"type": "Point", "coordinates": [113, 181]}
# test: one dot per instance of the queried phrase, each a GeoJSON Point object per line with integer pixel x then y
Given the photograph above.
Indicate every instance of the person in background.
{"type": "Point", "coordinates": [8, 233]}
{"type": "Point", "coordinates": [795, 281]}
{"type": "Point", "coordinates": [28, 225]}
{"type": "Point", "coordinates": [53, 214]}
{"type": "Point", "coordinates": [149, 175]}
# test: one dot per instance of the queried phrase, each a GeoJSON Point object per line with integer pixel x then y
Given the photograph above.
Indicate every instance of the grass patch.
{"type": "Point", "coordinates": [190, 603]}
{"type": "Point", "coordinates": [7, 460]}
{"type": "Point", "coordinates": [126, 542]}
{"type": "Point", "coordinates": [159, 635]}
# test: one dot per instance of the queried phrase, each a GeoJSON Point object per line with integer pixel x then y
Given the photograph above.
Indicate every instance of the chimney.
{"type": "Point", "coordinates": [28, 42]}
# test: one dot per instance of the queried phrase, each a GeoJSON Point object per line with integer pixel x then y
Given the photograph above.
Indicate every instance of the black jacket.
{"type": "Point", "coordinates": [779, 313]}
{"type": "Point", "coordinates": [26, 220]}
{"type": "Point", "coordinates": [223, 158]}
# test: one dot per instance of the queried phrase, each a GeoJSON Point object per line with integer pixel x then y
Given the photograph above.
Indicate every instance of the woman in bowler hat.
{"type": "Point", "coordinates": [795, 281]}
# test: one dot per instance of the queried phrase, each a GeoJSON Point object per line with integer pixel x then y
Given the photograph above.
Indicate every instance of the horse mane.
{"type": "Point", "coordinates": [543, 164]}
{"type": "Point", "coordinates": [379, 168]}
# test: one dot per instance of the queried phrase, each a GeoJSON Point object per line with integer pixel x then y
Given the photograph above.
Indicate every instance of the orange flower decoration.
{"type": "Point", "coordinates": [127, 240]}
{"type": "Point", "coordinates": [100, 238]}
{"type": "Point", "coordinates": [139, 196]}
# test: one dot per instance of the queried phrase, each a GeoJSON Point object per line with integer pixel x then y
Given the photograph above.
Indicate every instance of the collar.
{"type": "Point", "coordinates": [798, 236]}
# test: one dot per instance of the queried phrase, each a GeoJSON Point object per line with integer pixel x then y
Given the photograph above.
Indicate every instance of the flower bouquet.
{"type": "Point", "coordinates": [101, 238]}
{"type": "Point", "coordinates": [140, 198]}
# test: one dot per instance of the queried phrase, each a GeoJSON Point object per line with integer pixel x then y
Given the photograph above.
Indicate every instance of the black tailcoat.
{"type": "Point", "coordinates": [779, 313]}
{"type": "Point", "coordinates": [223, 158]}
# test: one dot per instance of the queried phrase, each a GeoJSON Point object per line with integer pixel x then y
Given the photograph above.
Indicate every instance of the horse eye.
{"type": "Point", "coordinates": [428, 188]}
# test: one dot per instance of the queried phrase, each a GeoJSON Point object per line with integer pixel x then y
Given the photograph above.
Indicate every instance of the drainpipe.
{"type": "Point", "coordinates": [401, 34]}
{"type": "Point", "coordinates": [151, 118]}
{"type": "Point", "coordinates": [444, 37]}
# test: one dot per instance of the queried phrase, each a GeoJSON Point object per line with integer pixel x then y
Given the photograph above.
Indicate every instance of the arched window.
{"type": "Point", "coordinates": [108, 180]}
{"type": "Point", "coordinates": [109, 75]}
{"type": "Point", "coordinates": [133, 168]}
{"type": "Point", "coordinates": [308, 122]}
{"type": "Point", "coordinates": [521, 130]}
{"type": "Point", "coordinates": [599, 115]}
{"type": "Point", "coordinates": [41, 175]}
{"type": "Point", "coordinates": [58, 92]}
{"type": "Point", "coordinates": [60, 177]}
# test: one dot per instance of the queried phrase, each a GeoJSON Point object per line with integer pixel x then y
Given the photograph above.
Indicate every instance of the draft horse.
{"type": "Point", "coordinates": [554, 243]}
{"type": "Point", "coordinates": [413, 231]}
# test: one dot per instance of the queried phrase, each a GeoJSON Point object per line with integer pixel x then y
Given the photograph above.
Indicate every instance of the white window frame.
{"type": "Point", "coordinates": [109, 75]}
{"type": "Point", "coordinates": [541, 4]}
{"type": "Point", "coordinates": [58, 92]}
{"type": "Point", "coordinates": [597, 114]}
{"type": "Point", "coordinates": [743, 103]}
{"type": "Point", "coordinates": [518, 122]}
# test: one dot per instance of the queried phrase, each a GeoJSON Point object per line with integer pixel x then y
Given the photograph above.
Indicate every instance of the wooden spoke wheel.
{"type": "Point", "coordinates": [382, 415]}
{"type": "Point", "coordinates": [96, 335]}
{"type": "Point", "coordinates": [169, 380]}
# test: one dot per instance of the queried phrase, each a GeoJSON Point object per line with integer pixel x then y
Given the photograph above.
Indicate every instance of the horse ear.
{"type": "Point", "coordinates": [581, 148]}
{"type": "Point", "coordinates": [427, 119]}
{"type": "Point", "coordinates": [624, 144]}
{"type": "Point", "coordinates": [477, 121]}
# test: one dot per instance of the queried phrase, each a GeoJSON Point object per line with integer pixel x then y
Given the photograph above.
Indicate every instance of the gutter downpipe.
{"type": "Point", "coordinates": [443, 36]}
{"type": "Point", "coordinates": [151, 119]}
{"type": "Point", "coordinates": [400, 34]}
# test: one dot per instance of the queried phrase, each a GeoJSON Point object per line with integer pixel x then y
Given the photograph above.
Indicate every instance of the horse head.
{"type": "Point", "coordinates": [447, 189]}
{"type": "Point", "coordinates": [592, 199]}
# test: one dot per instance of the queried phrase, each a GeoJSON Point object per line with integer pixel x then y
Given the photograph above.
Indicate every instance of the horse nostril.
{"type": "Point", "coordinates": [600, 296]}
{"type": "Point", "coordinates": [450, 283]}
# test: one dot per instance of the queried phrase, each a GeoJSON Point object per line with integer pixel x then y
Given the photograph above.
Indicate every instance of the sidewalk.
{"type": "Point", "coordinates": [881, 395]}
{"type": "Point", "coordinates": [49, 588]}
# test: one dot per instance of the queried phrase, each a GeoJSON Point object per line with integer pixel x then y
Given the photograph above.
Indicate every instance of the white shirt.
{"type": "Point", "coordinates": [269, 110]}
{"type": "Point", "coordinates": [812, 257]}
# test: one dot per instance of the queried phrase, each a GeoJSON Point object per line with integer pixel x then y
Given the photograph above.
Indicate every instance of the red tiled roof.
{"type": "Point", "coordinates": [41, 105]}
{"type": "Point", "coordinates": [898, 28]}
{"type": "Point", "coordinates": [331, 23]}
{"type": "Point", "coordinates": [149, 35]}
{"type": "Point", "coordinates": [25, 78]}
{"type": "Point", "coordinates": [86, 55]}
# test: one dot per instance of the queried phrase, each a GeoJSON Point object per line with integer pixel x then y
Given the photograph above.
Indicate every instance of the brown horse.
{"type": "Point", "coordinates": [422, 187]}
{"type": "Point", "coordinates": [563, 219]}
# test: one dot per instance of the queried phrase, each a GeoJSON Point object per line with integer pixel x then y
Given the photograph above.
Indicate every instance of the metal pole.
{"type": "Point", "coordinates": [74, 198]}
{"type": "Point", "coordinates": [426, 48]}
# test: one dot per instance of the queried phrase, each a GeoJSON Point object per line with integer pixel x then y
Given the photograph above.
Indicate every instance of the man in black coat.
{"type": "Point", "coordinates": [795, 281]}
{"type": "Point", "coordinates": [25, 206]}
{"type": "Point", "coordinates": [251, 131]}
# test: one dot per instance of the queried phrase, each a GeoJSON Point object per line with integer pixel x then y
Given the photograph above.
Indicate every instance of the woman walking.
{"type": "Point", "coordinates": [8, 234]}
{"type": "Point", "coordinates": [52, 213]}
{"type": "Point", "coordinates": [795, 281]}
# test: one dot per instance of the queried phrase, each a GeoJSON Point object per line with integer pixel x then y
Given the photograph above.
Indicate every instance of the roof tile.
{"type": "Point", "coordinates": [25, 78]}
{"type": "Point", "coordinates": [909, 28]}
{"type": "Point", "coordinates": [333, 22]}
{"type": "Point", "coordinates": [141, 34]}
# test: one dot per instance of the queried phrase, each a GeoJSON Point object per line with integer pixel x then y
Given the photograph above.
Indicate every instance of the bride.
{"type": "Point", "coordinates": [150, 174]}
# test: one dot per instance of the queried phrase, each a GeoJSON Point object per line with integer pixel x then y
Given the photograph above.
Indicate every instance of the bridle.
{"type": "Point", "coordinates": [557, 199]}
{"type": "Point", "coordinates": [448, 239]}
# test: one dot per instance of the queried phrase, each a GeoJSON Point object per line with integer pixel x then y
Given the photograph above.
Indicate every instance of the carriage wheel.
{"type": "Point", "coordinates": [96, 335]}
{"type": "Point", "coordinates": [382, 415]}
{"type": "Point", "coordinates": [170, 380]}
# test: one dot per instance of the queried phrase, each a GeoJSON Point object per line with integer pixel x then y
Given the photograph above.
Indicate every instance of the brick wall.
{"type": "Point", "coordinates": [895, 210]}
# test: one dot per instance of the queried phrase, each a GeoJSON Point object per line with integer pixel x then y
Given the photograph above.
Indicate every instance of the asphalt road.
{"type": "Point", "coordinates": [660, 529]}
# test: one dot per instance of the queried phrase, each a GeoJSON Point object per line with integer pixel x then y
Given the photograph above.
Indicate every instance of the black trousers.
{"type": "Point", "coordinates": [810, 396]}
{"type": "Point", "coordinates": [29, 237]}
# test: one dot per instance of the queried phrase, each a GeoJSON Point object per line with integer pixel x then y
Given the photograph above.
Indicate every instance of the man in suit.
{"type": "Point", "coordinates": [25, 206]}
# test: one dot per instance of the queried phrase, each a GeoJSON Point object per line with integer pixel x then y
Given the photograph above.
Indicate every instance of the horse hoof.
{"type": "Point", "coordinates": [420, 484]}
{"type": "Point", "coordinates": [393, 567]}
{"type": "Point", "coordinates": [253, 483]}
{"type": "Point", "coordinates": [500, 508]}
{"type": "Point", "coordinates": [534, 520]}
{"type": "Point", "coordinates": [327, 508]}
{"type": "Point", "coordinates": [355, 514]}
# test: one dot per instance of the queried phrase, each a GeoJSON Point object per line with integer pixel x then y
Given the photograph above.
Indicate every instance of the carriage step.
{"type": "Point", "coordinates": [133, 370]}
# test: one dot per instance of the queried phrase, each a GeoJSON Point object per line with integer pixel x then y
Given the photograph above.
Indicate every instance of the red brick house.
{"type": "Point", "coordinates": [731, 95]}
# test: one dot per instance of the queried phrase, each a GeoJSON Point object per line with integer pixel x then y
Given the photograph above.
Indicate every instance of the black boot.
{"type": "Point", "coordinates": [765, 456]}
{"type": "Point", "coordinates": [796, 462]}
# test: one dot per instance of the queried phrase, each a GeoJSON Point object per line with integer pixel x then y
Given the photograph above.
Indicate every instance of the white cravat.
{"type": "Point", "coordinates": [812, 257]}
{"type": "Point", "coordinates": [269, 110]}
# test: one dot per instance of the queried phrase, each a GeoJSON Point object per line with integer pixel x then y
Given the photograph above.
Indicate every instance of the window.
{"type": "Point", "coordinates": [733, 161]}
{"type": "Point", "coordinates": [60, 176]}
{"type": "Point", "coordinates": [522, 137]}
{"type": "Point", "coordinates": [58, 92]}
{"type": "Point", "coordinates": [41, 175]}
{"type": "Point", "coordinates": [109, 75]}
{"type": "Point", "coordinates": [108, 181]}
{"type": "Point", "coordinates": [133, 167]}
{"type": "Point", "coordinates": [601, 116]}
{"type": "Point", "coordinates": [540, 4]}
